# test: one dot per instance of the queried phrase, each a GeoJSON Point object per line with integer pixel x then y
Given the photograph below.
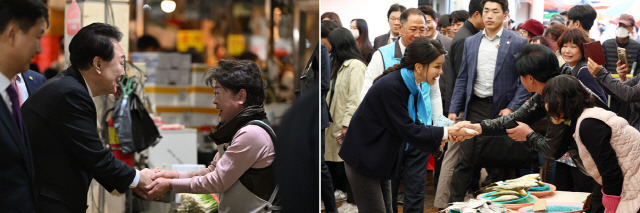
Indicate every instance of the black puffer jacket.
{"type": "Point", "coordinates": [558, 139]}
{"type": "Point", "coordinates": [530, 112]}
{"type": "Point", "coordinates": [610, 49]}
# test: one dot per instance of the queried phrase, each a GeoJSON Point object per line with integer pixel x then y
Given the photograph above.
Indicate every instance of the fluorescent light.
{"type": "Point", "coordinates": [168, 6]}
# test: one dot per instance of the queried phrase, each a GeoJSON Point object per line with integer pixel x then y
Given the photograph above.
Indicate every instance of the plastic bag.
{"type": "Point", "coordinates": [134, 127]}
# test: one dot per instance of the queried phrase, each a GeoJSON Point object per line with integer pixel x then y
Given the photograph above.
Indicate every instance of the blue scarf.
{"type": "Point", "coordinates": [424, 100]}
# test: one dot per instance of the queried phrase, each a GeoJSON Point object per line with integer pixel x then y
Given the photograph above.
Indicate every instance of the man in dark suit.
{"type": "Point", "coordinates": [432, 33]}
{"type": "Point", "coordinates": [22, 23]}
{"type": "Point", "coordinates": [470, 27]}
{"type": "Point", "coordinates": [488, 85]}
{"type": "Point", "coordinates": [63, 115]}
{"type": "Point", "coordinates": [27, 82]}
{"type": "Point", "coordinates": [393, 17]}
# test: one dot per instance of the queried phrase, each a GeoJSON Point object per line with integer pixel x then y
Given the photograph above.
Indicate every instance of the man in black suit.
{"type": "Point", "coordinates": [22, 23]}
{"type": "Point", "coordinates": [393, 17]}
{"type": "Point", "coordinates": [67, 150]}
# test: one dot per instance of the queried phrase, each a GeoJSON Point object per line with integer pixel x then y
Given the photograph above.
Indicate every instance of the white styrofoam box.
{"type": "Point", "coordinates": [173, 77]}
{"type": "Point", "coordinates": [175, 115]}
{"type": "Point", "coordinates": [201, 96]}
{"type": "Point", "coordinates": [185, 168]}
{"type": "Point", "coordinates": [168, 96]}
{"type": "Point", "coordinates": [174, 61]}
{"type": "Point", "coordinates": [188, 116]}
{"type": "Point", "coordinates": [198, 72]}
{"type": "Point", "coordinates": [176, 147]}
{"type": "Point", "coordinates": [181, 61]}
{"type": "Point", "coordinates": [171, 117]}
{"type": "Point", "coordinates": [203, 117]}
{"type": "Point", "coordinates": [167, 63]}
{"type": "Point", "coordinates": [151, 64]}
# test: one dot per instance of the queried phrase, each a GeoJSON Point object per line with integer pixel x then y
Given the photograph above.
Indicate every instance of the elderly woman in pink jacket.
{"type": "Point", "coordinates": [242, 170]}
{"type": "Point", "coordinates": [608, 146]}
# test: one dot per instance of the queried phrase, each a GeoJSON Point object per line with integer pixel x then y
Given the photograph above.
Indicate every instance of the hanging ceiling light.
{"type": "Point", "coordinates": [168, 6]}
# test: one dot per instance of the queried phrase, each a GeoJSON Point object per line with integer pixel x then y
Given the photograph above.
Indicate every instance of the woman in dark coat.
{"type": "Point", "coordinates": [392, 114]}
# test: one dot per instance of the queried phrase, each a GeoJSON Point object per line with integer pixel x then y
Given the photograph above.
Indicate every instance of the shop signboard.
{"type": "Point", "coordinates": [236, 44]}
{"type": "Point", "coordinates": [73, 18]}
{"type": "Point", "coordinates": [190, 39]}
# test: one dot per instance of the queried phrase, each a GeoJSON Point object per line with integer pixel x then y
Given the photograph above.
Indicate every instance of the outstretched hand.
{"type": "Point", "coordinates": [145, 179]}
{"type": "Point", "coordinates": [458, 132]}
{"type": "Point", "coordinates": [158, 188]}
{"type": "Point", "coordinates": [158, 173]}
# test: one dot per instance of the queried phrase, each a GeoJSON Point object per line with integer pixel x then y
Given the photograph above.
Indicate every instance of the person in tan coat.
{"type": "Point", "coordinates": [347, 75]}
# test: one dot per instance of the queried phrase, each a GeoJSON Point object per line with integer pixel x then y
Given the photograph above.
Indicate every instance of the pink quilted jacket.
{"type": "Point", "coordinates": [625, 140]}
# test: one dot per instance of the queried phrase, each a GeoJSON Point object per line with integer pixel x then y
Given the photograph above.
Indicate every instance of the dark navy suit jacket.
{"type": "Point", "coordinates": [17, 191]}
{"type": "Point", "coordinates": [67, 151]}
{"type": "Point", "coordinates": [32, 80]}
{"type": "Point", "coordinates": [508, 91]}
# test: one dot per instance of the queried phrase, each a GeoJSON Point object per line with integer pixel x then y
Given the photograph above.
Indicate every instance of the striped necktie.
{"type": "Point", "coordinates": [15, 85]}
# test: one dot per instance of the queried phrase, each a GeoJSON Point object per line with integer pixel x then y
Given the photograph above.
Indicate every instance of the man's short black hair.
{"type": "Point", "coordinates": [538, 61]}
{"type": "Point", "coordinates": [147, 41]}
{"type": "Point", "coordinates": [326, 27]}
{"type": "Point", "coordinates": [24, 12]}
{"type": "Point", "coordinates": [428, 10]}
{"type": "Point", "coordinates": [503, 3]}
{"type": "Point", "coordinates": [91, 41]}
{"type": "Point", "coordinates": [411, 11]}
{"type": "Point", "coordinates": [563, 13]}
{"type": "Point", "coordinates": [395, 7]}
{"type": "Point", "coordinates": [443, 21]}
{"type": "Point", "coordinates": [583, 13]}
{"type": "Point", "coordinates": [236, 75]}
{"type": "Point", "coordinates": [475, 5]}
{"type": "Point", "coordinates": [458, 16]}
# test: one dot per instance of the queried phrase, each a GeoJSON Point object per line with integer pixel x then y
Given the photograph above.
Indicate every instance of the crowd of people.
{"type": "Point", "coordinates": [510, 99]}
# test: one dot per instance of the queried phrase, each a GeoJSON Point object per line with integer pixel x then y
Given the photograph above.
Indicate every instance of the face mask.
{"type": "Point", "coordinates": [622, 32]}
{"type": "Point", "coordinates": [355, 33]}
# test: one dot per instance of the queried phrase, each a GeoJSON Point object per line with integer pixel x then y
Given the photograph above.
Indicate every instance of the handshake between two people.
{"type": "Point", "coordinates": [518, 132]}
{"type": "Point", "coordinates": [155, 183]}
{"type": "Point", "coordinates": [461, 131]}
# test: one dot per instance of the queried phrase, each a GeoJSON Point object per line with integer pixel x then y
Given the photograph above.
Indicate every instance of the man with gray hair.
{"type": "Point", "coordinates": [556, 19]}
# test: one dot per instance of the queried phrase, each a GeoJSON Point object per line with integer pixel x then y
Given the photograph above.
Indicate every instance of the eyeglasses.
{"type": "Point", "coordinates": [394, 19]}
{"type": "Point", "coordinates": [414, 30]}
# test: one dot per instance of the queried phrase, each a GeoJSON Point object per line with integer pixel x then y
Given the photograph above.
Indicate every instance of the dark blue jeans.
{"type": "Point", "coordinates": [551, 170]}
{"type": "Point", "coordinates": [326, 187]}
{"type": "Point", "coordinates": [412, 174]}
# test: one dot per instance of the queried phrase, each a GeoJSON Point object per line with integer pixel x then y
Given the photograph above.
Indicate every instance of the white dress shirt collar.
{"type": "Point", "coordinates": [435, 36]}
{"type": "Point", "coordinates": [391, 37]}
{"type": "Point", "coordinates": [402, 47]}
{"type": "Point", "coordinates": [498, 35]}
{"type": "Point", "coordinates": [4, 83]}
{"type": "Point", "coordinates": [88, 88]}
{"type": "Point", "coordinates": [22, 86]}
